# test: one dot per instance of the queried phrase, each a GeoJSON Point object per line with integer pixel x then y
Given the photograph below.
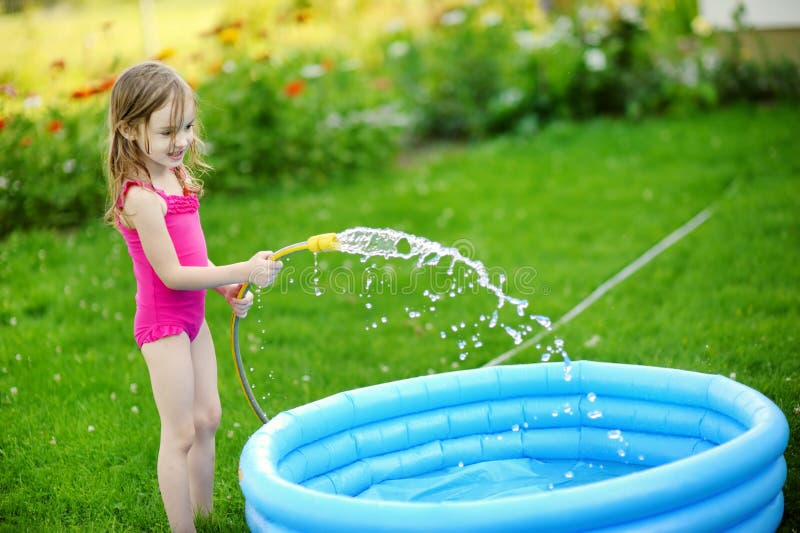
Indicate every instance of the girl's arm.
{"type": "Point", "coordinates": [144, 210]}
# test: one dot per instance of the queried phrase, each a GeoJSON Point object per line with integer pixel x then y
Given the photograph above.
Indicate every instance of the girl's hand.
{"type": "Point", "coordinates": [240, 306]}
{"type": "Point", "coordinates": [263, 270]}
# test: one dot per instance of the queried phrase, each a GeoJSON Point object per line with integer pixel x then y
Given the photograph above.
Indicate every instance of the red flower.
{"type": "Point", "coordinates": [294, 88]}
{"type": "Point", "coordinates": [382, 83]}
{"type": "Point", "coordinates": [55, 126]}
{"type": "Point", "coordinates": [83, 92]}
{"type": "Point", "coordinates": [105, 85]}
{"type": "Point", "coordinates": [2, 123]}
{"type": "Point", "coordinates": [8, 89]}
{"type": "Point", "coordinates": [102, 86]}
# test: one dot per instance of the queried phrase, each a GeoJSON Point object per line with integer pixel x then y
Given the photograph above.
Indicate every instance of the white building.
{"type": "Point", "coordinates": [776, 24]}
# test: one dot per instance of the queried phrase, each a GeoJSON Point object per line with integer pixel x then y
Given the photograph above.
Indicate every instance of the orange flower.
{"type": "Point", "coordinates": [302, 16]}
{"type": "Point", "coordinates": [217, 30]}
{"type": "Point", "coordinates": [328, 64]}
{"type": "Point", "coordinates": [229, 36]}
{"type": "Point", "coordinates": [294, 88]}
{"type": "Point", "coordinates": [58, 64]}
{"type": "Point", "coordinates": [165, 53]}
{"type": "Point", "coordinates": [55, 126]}
{"type": "Point", "coordinates": [26, 141]}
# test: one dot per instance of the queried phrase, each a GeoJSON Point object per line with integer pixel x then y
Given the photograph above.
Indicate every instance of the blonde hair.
{"type": "Point", "coordinates": [140, 91]}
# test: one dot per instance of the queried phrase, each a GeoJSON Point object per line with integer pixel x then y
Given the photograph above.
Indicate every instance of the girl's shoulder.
{"type": "Point", "coordinates": [133, 189]}
{"type": "Point", "coordinates": [137, 194]}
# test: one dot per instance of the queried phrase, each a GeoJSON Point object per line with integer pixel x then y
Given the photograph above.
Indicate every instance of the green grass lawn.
{"type": "Point", "coordinates": [573, 205]}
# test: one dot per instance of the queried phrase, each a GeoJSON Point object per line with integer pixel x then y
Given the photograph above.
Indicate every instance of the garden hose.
{"type": "Point", "coordinates": [318, 243]}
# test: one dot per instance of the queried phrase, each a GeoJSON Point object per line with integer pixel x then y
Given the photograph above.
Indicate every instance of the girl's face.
{"type": "Point", "coordinates": [163, 154]}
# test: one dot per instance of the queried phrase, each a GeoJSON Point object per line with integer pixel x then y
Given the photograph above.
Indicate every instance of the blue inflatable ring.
{"type": "Point", "coordinates": [690, 450]}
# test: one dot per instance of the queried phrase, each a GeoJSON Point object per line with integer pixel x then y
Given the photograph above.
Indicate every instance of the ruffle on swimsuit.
{"type": "Point", "coordinates": [179, 205]}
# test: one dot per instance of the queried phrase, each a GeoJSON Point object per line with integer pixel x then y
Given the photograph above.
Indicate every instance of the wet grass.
{"type": "Point", "coordinates": [558, 214]}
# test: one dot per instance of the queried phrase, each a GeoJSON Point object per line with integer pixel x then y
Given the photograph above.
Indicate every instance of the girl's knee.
{"type": "Point", "coordinates": [207, 419]}
{"type": "Point", "coordinates": [179, 439]}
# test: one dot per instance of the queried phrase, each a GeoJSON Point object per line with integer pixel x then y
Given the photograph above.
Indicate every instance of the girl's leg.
{"type": "Point", "coordinates": [206, 412]}
{"type": "Point", "coordinates": [169, 361]}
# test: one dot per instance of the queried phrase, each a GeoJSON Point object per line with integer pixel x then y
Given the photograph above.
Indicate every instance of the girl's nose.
{"type": "Point", "coordinates": [183, 139]}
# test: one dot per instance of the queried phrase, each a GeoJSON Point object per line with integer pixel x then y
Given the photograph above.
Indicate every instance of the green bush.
{"type": "Point", "coordinates": [309, 121]}
{"type": "Point", "coordinates": [299, 122]}
{"type": "Point", "coordinates": [51, 168]}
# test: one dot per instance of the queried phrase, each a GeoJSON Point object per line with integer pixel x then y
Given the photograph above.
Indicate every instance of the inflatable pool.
{"type": "Point", "coordinates": [521, 448]}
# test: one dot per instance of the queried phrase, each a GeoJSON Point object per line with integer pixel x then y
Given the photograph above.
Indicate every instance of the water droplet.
{"type": "Point", "coordinates": [615, 434]}
{"type": "Point", "coordinates": [591, 396]}
{"type": "Point", "coordinates": [515, 428]}
{"type": "Point", "coordinates": [594, 415]}
{"type": "Point", "coordinates": [569, 474]}
{"type": "Point", "coordinates": [493, 320]}
{"type": "Point", "coordinates": [542, 320]}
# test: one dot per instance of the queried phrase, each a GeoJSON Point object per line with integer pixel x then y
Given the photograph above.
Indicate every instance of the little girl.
{"type": "Point", "coordinates": [154, 204]}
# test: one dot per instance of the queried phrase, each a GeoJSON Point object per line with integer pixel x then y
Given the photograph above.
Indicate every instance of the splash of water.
{"type": "Point", "coordinates": [390, 243]}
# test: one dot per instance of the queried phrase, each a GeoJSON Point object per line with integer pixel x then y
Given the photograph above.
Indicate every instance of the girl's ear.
{"type": "Point", "coordinates": [127, 131]}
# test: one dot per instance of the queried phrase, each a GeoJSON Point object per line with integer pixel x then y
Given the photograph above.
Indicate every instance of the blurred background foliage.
{"type": "Point", "coordinates": [298, 92]}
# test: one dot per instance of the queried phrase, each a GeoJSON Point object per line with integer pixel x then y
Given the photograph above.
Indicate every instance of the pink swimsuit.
{"type": "Point", "coordinates": [161, 311]}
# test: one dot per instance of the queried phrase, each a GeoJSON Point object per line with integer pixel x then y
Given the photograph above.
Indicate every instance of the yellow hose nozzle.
{"type": "Point", "coordinates": [324, 242]}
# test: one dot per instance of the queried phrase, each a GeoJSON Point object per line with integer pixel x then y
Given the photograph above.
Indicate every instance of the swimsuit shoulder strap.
{"type": "Point", "coordinates": [135, 183]}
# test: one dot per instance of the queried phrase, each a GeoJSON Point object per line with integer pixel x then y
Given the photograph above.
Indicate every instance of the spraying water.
{"type": "Point", "coordinates": [389, 243]}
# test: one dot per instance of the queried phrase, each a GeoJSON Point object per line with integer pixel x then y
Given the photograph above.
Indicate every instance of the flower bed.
{"type": "Point", "coordinates": [324, 113]}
